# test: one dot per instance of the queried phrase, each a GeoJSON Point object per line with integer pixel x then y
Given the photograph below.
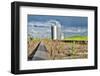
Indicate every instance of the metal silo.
{"type": "Point", "coordinates": [55, 31]}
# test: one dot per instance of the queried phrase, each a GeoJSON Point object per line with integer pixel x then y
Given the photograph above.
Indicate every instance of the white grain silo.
{"type": "Point", "coordinates": [56, 30]}
{"type": "Point", "coordinates": [62, 36]}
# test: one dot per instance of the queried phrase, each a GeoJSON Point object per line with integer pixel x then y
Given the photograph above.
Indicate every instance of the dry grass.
{"type": "Point", "coordinates": [62, 50]}
{"type": "Point", "coordinates": [58, 49]}
{"type": "Point", "coordinates": [32, 44]}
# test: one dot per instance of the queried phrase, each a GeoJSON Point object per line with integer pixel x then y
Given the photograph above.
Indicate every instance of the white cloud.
{"type": "Point", "coordinates": [75, 30]}
{"type": "Point", "coordinates": [38, 24]}
{"type": "Point", "coordinates": [44, 24]}
{"type": "Point", "coordinates": [39, 29]}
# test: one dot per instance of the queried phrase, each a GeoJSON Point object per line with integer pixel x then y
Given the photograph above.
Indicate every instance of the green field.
{"type": "Point", "coordinates": [77, 38]}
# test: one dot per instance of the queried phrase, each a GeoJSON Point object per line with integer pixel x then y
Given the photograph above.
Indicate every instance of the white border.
{"type": "Point", "coordinates": [26, 65]}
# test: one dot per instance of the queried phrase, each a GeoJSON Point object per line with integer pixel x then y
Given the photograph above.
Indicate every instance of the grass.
{"type": "Point", "coordinates": [77, 38]}
{"type": "Point", "coordinates": [32, 44]}
{"type": "Point", "coordinates": [58, 49]}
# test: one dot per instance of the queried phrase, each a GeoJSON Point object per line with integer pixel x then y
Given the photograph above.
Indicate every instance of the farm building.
{"type": "Point", "coordinates": [56, 33]}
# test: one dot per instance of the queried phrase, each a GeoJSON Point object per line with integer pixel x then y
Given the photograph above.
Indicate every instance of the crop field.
{"type": "Point", "coordinates": [66, 49]}
{"type": "Point", "coordinates": [32, 44]}
{"type": "Point", "coordinates": [61, 49]}
{"type": "Point", "coordinates": [85, 38]}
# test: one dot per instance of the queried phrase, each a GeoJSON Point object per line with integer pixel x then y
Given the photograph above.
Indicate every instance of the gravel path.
{"type": "Point", "coordinates": [41, 53]}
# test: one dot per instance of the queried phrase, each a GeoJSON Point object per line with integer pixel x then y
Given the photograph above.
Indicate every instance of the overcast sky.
{"type": "Point", "coordinates": [39, 25]}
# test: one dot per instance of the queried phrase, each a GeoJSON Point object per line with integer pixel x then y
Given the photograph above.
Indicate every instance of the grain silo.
{"type": "Point", "coordinates": [56, 30]}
